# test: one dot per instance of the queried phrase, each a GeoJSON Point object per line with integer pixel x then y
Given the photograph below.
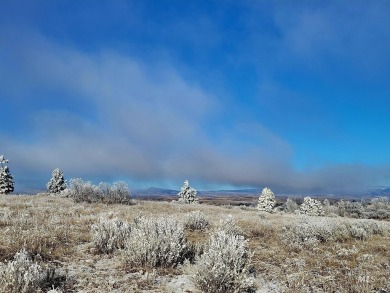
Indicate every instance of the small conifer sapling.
{"type": "Point", "coordinates": [57, 182]}
{"type": "Point", "coordinates": [187, 194]}
{"type": "Point", "coordinates": [6, 179]}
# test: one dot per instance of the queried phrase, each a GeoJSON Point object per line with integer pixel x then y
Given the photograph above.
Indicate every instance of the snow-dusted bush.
{"type": "Point", "coordinates": [20, 275]}
{"type": "Point", "coordinates": [224, 265]}
{"type": "Point", "coordinates": [350, 209]}
{"type": "Point", "coordinates": [57, 182]}
{"type": "Point", "coordinates": [81, 190]}
{"type": "Point", "coordinates": [379, 208]}
{"type": "Point", "coordinates": [187, 194]}
{"type": "Point", "coordinates": [6, 179]}
{"type": "Point", "coordinates": [23, 275]}
{"type": "Point", "coordinates": [196, 220]}
{"type": "Point", "coordinates": [118, 192]}
{"type": "Point", "coordinates": [291, 206]}
{"type": "Point", "coordinates": [308, 231]}
{"type": "Point", "coordinates": [155, 242]}
{"type": "Point", "coordinates": [329, 209]}
{"type": "Point", "coordinates": [110, 234]}
{"type": "Point", "coordinates": [266, 201]}
{"type": "Point", "coordinates": [229, 225]}
{"type": "Point", "coordinates": [382, 202]}
{"type": "Point", "coordinates": [311, 207]}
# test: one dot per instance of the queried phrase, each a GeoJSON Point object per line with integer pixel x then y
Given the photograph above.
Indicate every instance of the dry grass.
{"type": "Point", "coordinates": [57, 231]}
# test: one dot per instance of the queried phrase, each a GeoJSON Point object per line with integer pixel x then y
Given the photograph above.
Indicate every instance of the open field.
{"type": "Point", "coordinates": [290, 253]}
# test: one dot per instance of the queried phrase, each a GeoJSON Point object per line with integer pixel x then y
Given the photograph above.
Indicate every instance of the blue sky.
{"type": "Point", "coordinates": [293, 95]}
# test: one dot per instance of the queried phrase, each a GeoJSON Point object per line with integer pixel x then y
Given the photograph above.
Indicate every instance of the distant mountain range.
{"type": "Point", "coordinates": [159, 192]}
{"type": "Point", "coordinates": [154, 191]}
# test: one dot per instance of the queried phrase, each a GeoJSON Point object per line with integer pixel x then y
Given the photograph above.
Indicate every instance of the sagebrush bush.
{"type": "Point", "coordinates": [291, 206]}
{"type": "Point", "coordinates": [81, 190]}
{"type": "Point", "coordinates": [229, 225]}
{"type": "Point", "coordinates": [155, 242]}
{"type": "Point", "coordinates": [196, 220]}
{"type": "Point", "coordinates": [311, 231]}
{"type": "Point", "coordinates": [20, 275]}
{"type": "Point", "coordinates": [23, 275]}
{"type": "Point", "coordinates": [224, 265]}
{"type": "Point", "coordinates": [379, 208]}
{"type": "Point", "coordinates": [110, 234]}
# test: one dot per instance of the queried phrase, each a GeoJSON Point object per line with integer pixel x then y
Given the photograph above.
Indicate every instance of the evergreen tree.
{"type": "Point", "coordinates": [57, 182]}
{"type": "Point", "coordinates": [267, 201]}
{"type": "Point", "coordinates": [187, 193]}
{"type": "Point", "coordinates": [6, 179]}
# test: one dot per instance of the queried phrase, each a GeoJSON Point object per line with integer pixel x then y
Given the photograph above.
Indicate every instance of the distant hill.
{"type": "Point", "coordinates": [380, 191]}
{"type": "Point", "coordinates": [153, 192]}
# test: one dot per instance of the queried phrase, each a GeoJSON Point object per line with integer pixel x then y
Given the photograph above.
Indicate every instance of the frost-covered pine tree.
{"type": "Point", "coordinates": [187, 194]}
{"type": "Point", "coordinates": [6, 179]}
{"type": "Point", "coordinates": [311, 207]}
{"type": "Point", "coordinates": [266, 201]}
{"type": "Point", "coordinates": [57, 182]}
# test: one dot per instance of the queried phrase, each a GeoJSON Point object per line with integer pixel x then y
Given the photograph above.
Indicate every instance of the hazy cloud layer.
{"type": "Point", "coordinates": [145, 123]}
{"type": "Point", "coordinates": [106, 115]}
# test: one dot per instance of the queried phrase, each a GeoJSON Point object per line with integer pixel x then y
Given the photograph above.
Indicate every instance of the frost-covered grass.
{"type": "Point", "coordinates": [289, 252]}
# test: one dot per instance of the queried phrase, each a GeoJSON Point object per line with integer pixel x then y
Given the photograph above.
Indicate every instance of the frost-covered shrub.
{"type": "Point", "coordinates": [311, 207]}
{"type": "Point", "coordinates": [155, 242]}
{"type": "Point", "coordinates": [379, 208]}
{"type": "Point", "coordinates": [291, 206]}
{"type": "Point", "coordinates": [20, 275]}
{"type": "Point", "coordinates": [81, 190]}
{"type": "Point", "coordinates": [229, 225]}
{"type": "Point", "coordinates": [57, 182]}
{"type": "Point", "coordinates": [187, 194]}
{"type": "Point", "coordinates": [224, 265]}
{"type": "Point", "coordinates": [329, 209]}
{"type": "Point", "coordinates": [118, 192]}
{"type": "Point", "coordinates": [23, 275]}
{"type": "Point", "coordinates": [196, 220]}
{"type": "Point", "coordinates": [266, 201]}
{"type": "Point", "coordinates": [6, 179]}
{"type": "Point", "coordinates": [381, 202]}
{"type": "Point", "coordinates": [350, 209]}
{"type": "Point", "coordinates": [109, 235]}
{"type": "Point", "coordinates": [311, 231]}
{"type": "Point", "coordinates": [363, 229]}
